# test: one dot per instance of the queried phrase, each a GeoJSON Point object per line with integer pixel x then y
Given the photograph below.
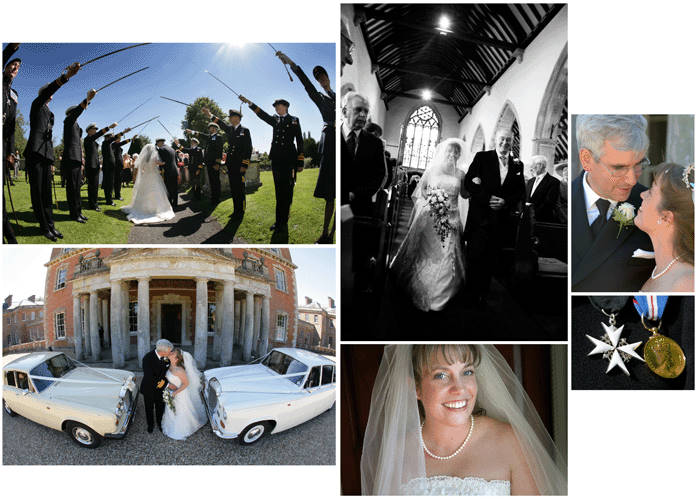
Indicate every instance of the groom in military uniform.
{"type": "Point", "coordinates": [287, 160]}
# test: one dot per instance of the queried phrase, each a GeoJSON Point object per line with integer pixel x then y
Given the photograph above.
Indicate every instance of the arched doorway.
{"type": "Point", "coordinates": [508, 120]}
{"type": "Point", "coordinates": [479, 140]}
{"type": "Point", "coordinates": [421, 133]}
{"type": "Point", "coordinates": [552, 126]}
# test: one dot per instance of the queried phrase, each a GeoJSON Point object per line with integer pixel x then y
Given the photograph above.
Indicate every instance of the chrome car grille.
{"type": "Point", "coordinates": [211, 395]}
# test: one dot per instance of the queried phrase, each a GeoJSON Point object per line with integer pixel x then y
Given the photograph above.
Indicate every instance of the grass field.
{"type": "Point", "coordinates": [110, 225]}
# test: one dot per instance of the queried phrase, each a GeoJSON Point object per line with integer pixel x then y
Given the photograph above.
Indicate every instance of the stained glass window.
{"type": "Point", "coordinates": [421, 136]}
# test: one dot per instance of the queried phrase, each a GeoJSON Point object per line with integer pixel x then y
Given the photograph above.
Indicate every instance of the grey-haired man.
{"type": "Point", "coordinates": [155, 364]}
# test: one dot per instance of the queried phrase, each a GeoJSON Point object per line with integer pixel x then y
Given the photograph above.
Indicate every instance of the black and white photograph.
{"type": "Point", "coordinates": [454, 167]}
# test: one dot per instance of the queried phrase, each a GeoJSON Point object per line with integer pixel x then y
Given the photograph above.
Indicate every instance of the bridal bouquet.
{"type": "Point", "coordinates": [168, 399]}
{"type": "Point", "coordinates": [439, 211]}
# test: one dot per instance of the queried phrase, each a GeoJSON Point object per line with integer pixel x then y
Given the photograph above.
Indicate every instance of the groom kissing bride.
{"type": "Point", "coordinates": [171, 369]}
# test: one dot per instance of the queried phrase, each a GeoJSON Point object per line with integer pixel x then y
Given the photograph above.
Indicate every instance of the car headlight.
{"type": "Point", "coordinates": [222, 412]}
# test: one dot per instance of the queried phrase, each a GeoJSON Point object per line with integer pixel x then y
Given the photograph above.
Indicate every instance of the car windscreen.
{"type": "Point", "coordinates": [284, 364]}
{"type": "Point", "coordinates": [55, 367]}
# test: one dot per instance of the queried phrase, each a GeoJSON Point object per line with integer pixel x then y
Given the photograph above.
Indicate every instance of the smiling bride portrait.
{"type": "Point", "coordinates": [454, 420]}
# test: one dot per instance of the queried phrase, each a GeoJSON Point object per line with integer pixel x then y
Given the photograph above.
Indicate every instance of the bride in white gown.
{"type": "Point", "coordinates": [149, 199]}
{"type": "Point", "coordinates": [429, 267]}
{"type": "Point", "coordinates": [455, 420]}
{"type": "Point", "coordinates": [190, 414]}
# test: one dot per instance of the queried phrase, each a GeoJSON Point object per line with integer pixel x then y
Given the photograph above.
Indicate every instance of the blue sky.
{"type": "Point", "coordinates": [316, 273]}
{"type": "Point", "coordinates": [176, 70]}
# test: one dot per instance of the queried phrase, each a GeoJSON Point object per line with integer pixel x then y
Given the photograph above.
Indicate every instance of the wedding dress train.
{"type": "Point", "coordinates": [149, 199]}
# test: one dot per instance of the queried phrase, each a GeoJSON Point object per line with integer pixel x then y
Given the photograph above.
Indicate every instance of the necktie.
{"type": "Point", "coordinates": [603, 205]}
{"type": "Point", "coordinates": [352, 143]}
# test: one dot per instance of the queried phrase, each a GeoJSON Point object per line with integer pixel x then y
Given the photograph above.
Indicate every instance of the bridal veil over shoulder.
{"type": "Point", "coordinates": [392, 455]}
{"type": "Point", "coordinates": [149, 199]}
{"type": "Point", "coordinates": [190, 414]}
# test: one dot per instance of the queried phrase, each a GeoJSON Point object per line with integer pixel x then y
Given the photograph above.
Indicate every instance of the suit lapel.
{"type": "Point", "coordinates": [493, 171]}
{"type": "Point", "coordinates": [581, 235]}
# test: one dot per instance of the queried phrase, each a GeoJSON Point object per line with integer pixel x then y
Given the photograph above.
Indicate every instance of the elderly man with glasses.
{"type": "Point", "coordinates": [607, 253]}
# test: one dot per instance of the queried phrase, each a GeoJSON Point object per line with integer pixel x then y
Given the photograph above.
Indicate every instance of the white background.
{"type": "Point", "coordinates": [624, 57]}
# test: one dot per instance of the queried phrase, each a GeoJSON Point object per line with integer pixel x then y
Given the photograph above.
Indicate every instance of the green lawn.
{"type": "Point", "coordinates": [306, 217]}
{"type": "Point", "coordinates": [110, 225]}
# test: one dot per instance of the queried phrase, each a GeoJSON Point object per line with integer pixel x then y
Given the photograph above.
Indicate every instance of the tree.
{"type": "Point", "coordinates": [137, 143]}
{"type": "Point", "coordinates": [311, 151]}
{"type": "Point", "coordinates": [20, 139]}
{"type": "Point", "coordinates": [194, 117]}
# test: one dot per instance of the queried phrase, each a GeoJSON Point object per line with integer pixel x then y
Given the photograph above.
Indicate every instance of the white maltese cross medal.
{"type": "Point", "coordinates": [614, 348]}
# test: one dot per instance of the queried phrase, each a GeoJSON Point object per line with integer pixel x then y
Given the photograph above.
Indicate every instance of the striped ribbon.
{"type": "Point", "coordinates": [650, 307]}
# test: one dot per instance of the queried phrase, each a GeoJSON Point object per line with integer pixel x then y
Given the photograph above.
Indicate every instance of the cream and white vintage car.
{"type": "Point", "coordinates": [285, 388]}
{"type": "Point", "coordinates": [51, 389]}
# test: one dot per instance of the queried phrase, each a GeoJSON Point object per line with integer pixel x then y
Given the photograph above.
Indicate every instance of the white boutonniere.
{"type": "Point", "coordinates": [476, 180]}
{"type": "Point", "coordinates": [624, 216]}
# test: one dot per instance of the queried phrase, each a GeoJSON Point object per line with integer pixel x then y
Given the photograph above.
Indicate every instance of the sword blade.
{"type": "Point", "coordinates": [120, 79]}
{"type": "Point", "coordinates": [132, 111]}
{"type": "Point", "coordinates": [161, 124]}
{"type": "Point", "coordinates": [273, 48]}
{"type": "Point", "coordinates": [143, 122]}
{"type": "Point", "coordinates": [112, 52]}
{"type": "Point", "coordinates": [224, 84]}
{"type": "Point", "coordinates": [175, 100]}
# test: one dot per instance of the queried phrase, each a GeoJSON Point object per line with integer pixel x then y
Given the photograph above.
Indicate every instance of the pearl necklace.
{"type": "Point", "coordinates": [445, 458]}
{"type": "Point", "coordinates": [654, 277]}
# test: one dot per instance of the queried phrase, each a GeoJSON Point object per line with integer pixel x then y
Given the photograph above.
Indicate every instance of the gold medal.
{"type": "Point", "coordinates": [663, 355]}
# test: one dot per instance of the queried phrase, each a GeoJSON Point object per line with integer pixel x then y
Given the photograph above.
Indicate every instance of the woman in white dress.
{"type": "Point", "coordinates": [454, 420]}
{"type": "Point", "coordinates": [190, 414]}
{"type": "Point", "coordinates": [667, 216]}
{"type": "Point", "coordinates": [429, 265]}
{"type": "Point", "coordinates": [149, 199]}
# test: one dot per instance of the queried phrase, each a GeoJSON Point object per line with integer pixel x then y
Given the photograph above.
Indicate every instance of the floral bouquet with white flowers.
{"type": "Point", "coordinates": [624, 216]}
{"type": "Point", "coordinates": [439, 211]}
{"type": "Point", "coordinates": [168, 399]}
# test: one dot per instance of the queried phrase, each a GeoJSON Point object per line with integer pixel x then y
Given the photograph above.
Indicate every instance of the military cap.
{"type": "Point", "coordinates": [233, 112]}
{"type": "Point", "coordinates": [72, 108]}
{"type": "Point", "coordinates": [319, 70]}
{"type": "Point", "coordinates": [160, 140]}
{"type": "Point", "coordinates": [195, 140]}
{"type": "Point", "coordinates": [13, 60]}
{"type": "Point", "coordinates": [281, 101]}
{"type": "Point", "coordinates": [211, 123]}
{"type": "Point", "coordinates": [91, 125]}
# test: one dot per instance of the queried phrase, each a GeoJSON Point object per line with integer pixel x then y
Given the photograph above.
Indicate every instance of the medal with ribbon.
{"type": "Point", "coordinates": [663, 355]}
{"type": "Point", "coordinates": [613, 347]}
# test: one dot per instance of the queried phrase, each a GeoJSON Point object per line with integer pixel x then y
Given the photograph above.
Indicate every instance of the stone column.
{"type": "Point", "coordinates": [115, 324]}
{"type": "Point", "coordinates": [265, 326]}
{"type": "Point", "coordinates": [248, 337]}
{"type": "Point", "coordinates": [77, 329]}
{"type": "Point", "coordinates": [257, 301]}
{"type": "Point", "coordinates": [85, 305]}
{"type": "Point", "coordinates": [126, 337]}
{"type": "Point", "coordinates": [227, 324]}
{"type": "Point", "coordinates": [200, 330]}
{"type": "Point", "coordinates": [216, 350]}
{"type": "Point", "coordinates": [237, 322]}
{"type": "Point", "coordinates": [105, 321]}
{"type": "Point", "coordinates": [94, 327]}
{"type": "Point", "coordinates": [241, 329]}
{"type": "Point", "coordinates": [144, 317]}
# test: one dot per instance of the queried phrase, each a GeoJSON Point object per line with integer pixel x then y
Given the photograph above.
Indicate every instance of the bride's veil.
{"type": "Point", "coordinates": [193, 376]}
{"type": "Point", "coordinates": [147, 156]}
{"type": "Point", "coordinates": [392, 454]}
{"type": "Point", "coordinates": [441, 165]}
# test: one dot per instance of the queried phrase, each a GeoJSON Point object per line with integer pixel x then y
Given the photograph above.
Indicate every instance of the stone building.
{"type": "Point", "coordinates": [215, 302]}
{"type": "Point", "coordinates": [322, 319]}
{"type": "Point", "coordinates": [22, 322]}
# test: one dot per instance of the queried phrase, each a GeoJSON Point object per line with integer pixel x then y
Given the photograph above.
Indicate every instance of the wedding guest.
{"type": "Point", "coordinates": [119, 163]}
{"type": "Point", "coordinates": [377, 131]}
{"type": "Point", "coordinates": [562, 169]}
{"type": "Point", "coordinates": [195, 165]}
{"type": "Point", "coordinates": [9, 112]}
{"type": "Point", "coordinates": [667, 216]}
{"type": "Point", "coordinates": [40, 155]}
{"type": "Point", "coordinates": [542, 191]}
{"type": "Point", "coordinates": [92, 161]}
{"type": "Point", "coordinates": [108, 167]}
{"type": "Point", "coordinates": [213, 152]}
{"type": "Point", "coordinates": [605, 256]}
{"type": "Point", "coordinates": [362, 161]}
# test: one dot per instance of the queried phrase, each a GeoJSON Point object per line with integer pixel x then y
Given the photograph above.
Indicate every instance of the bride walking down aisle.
{"type": "Point", "coordinates": [429, 266]}
{"type": "Point", "coordinates": [149, 201]}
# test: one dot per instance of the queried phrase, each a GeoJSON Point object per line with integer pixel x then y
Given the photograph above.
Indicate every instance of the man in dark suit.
{"type": "Point", "coordinates": [362, 161]}
{"type": "Point", "coordinates": [286, 161]}
{"type": "Point", "coordinates": [9, 116]}
{"type": "Point", "coordinates": [195, 165]}
{"type": "Point", "coordinates": [542, 191]}
{"type": "Point", "coordinates": [168, 162]}
{"type": "Point", "coordinates": [612, 150]}
{"type": "Point", "coordinates": [40, 156]}
{"type": "Point", "coordinates": [108, 167]}
{"type": "Point", "coordinates": [496, 188]}
{"type": "Point", "coordinates": [119, 164]}
{"type": "Point", "coordinates": [155, 365]}
{"type": "Point", "coordinates": [213, 151]}
{"type": "Point", "coordinates": [72, 160]}
{"type": "Point", "coordinates": [240, 147]}
{"type": "Point", "coordinates": [92, 161]}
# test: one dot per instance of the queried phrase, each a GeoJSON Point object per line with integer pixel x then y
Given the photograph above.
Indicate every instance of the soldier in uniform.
{"type": "Point", "coordinates": [92, 163]}
{"type": "Point", "coordinates": [72, 159]}
{"type": "Point", "coordinates": [168, 164]}
{"type": "Point", "coordinates": [195, 165]}
{"type": "Point", "coordinates": [240, 147]}
{"type": "Point", "coordinates": [9, 116]}
{"type": "Point", "coordinates": [119, 164]}
{"type": "Point", "coordinates": [213, 150]}
{"type": "Point", "coordinates": [325, 185]}
{"type": "Point", "coordinates": [286, 161]}
{"type": "Point", "coordinates": [39, 154]}
{"type": "Point", "coordinates": [108, 167]}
